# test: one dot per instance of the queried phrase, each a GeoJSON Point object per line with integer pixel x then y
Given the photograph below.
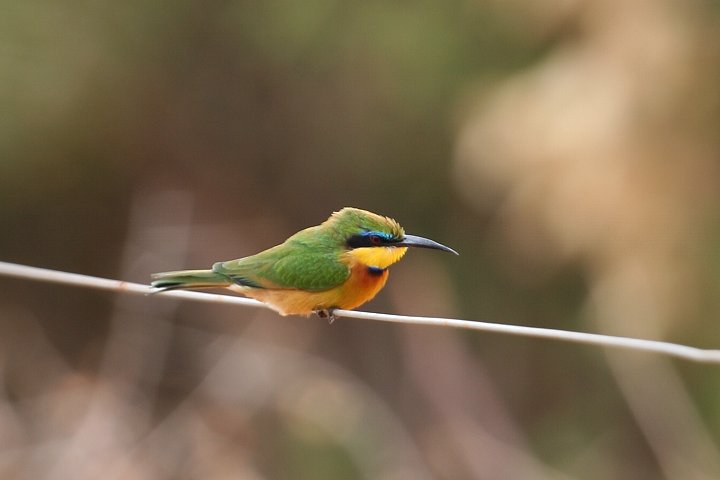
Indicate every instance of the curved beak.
{"type": "Point", "coordinates": [415, 241]}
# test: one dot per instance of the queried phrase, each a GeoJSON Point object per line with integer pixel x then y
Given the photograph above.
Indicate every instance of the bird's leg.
{"type": "Point", "coordinates": [326, 313]}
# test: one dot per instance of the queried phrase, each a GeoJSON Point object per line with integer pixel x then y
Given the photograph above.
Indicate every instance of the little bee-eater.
{"type": "Point", "coordinates": [341, 263]}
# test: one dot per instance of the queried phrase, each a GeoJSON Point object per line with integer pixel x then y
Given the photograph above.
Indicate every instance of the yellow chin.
{"type": "Point", "coordinates": [379, 257]}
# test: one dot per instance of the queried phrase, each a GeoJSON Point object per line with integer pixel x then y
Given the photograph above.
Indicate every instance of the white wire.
{"type": "Point", "coordinates": [654, 346]}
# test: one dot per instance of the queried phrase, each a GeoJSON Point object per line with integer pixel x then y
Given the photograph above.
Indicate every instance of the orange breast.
{"type": "Point", "coordinates": [362, 286]}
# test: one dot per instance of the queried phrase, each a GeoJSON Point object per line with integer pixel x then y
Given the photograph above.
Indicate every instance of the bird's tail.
{"type": "Point", "coordinates": [189, 279]}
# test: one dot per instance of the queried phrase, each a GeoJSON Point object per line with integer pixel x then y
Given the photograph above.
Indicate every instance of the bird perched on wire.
{"type": "Point", "coordinates": [341, 263]}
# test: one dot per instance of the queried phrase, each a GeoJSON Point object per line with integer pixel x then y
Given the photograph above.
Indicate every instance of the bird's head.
{"type": "Point", "coordinates": [374, 240]}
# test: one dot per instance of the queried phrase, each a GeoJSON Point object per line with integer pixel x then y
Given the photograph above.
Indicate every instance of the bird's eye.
{"type": "Point", "coordinates": [375, 239]}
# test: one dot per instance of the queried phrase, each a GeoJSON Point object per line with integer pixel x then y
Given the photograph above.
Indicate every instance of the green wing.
{"type": "Point", "coordinates": [287, 266]}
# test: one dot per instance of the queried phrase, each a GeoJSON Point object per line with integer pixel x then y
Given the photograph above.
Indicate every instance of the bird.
{"type": "Point", "coordinates": [340, 264]}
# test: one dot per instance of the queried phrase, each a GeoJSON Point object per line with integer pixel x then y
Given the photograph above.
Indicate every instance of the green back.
{"type": "Point", "coordinates": [310, 259]}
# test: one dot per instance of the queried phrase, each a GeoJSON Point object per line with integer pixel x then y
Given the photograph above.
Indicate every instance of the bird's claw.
{"type": "Point", "coordinates": [326, 313]}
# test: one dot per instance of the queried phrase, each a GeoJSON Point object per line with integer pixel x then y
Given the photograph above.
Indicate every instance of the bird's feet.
{"type": "Point", "coordinates": [326, 313]}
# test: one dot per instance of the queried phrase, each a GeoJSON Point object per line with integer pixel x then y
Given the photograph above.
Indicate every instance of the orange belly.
{"type": "Point", "coordinates": [360, 287]}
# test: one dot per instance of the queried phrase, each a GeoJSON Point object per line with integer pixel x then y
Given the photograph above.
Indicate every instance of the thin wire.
{"type": "Point", "coordinates": [654, 346]}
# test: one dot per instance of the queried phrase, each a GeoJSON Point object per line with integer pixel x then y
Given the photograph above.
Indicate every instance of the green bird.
{"type": "Point", "coordinates": [341, 263]}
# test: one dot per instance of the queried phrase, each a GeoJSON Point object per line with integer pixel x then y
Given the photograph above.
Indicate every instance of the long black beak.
{"type": "Point", "coordinates": [415, 241]}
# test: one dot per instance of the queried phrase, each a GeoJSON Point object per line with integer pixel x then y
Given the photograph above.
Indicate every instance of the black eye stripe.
{"type": "Point", "coordinates": [370, 239]}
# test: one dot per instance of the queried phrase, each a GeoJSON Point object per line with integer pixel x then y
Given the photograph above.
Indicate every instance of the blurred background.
{"type": "Point", "coordinates": [568, 149]}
